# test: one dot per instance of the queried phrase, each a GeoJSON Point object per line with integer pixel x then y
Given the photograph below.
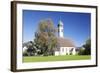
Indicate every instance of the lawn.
{"type": "Point", "coordinates": [55, 58]}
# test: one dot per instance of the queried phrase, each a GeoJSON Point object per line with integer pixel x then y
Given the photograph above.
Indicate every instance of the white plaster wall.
{"type": "Point", "coordinates": [61, 34]}
{"type": "Point", "coordinates": [66, 50]}
{"type": "Point", "coordinates": [73, 52]}
{"type": "Point", "coordinates": [57, 53]}
{"type": "Point", "coordinates": [62, 51]}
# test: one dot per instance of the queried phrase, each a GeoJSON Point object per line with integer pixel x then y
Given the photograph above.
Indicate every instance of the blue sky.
{"type": "Point", "coordinates": [77, 26]}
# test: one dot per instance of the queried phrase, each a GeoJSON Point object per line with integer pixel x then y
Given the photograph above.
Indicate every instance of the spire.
{"type": "Point", "coordinates": [60, 23]}
{"type": "Point", "coordinates": [60, 28]}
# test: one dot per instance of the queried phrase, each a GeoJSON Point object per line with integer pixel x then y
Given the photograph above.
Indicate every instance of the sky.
{"type": "Point", "coordinates": [77, 26]}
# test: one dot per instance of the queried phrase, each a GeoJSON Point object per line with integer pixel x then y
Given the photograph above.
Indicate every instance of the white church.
{"type": "Point", "coordinates": [65, 46]}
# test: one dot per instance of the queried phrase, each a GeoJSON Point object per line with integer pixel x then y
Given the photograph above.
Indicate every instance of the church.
{"type": "Point", "coordinates": [65, 46]}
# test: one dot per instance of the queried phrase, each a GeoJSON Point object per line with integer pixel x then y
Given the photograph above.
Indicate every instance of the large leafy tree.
{"type": "Point", "coordinates": [45, 37]}
{"type": "Point", "coordinates": [87, 48]}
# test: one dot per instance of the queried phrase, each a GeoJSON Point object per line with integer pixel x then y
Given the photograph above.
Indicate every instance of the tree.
{"type": "Point", "coordinates": [30, 51]}
{"type": "Point", "coordinates": [87, 47]}
{"type": "Point", "coordinates": [45, 37]}
{"type": "Point", "coordinates": [81, 51]}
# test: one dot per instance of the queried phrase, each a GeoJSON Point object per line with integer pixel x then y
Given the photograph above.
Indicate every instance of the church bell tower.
{"type": "Point", "coordinates": [60, 29]}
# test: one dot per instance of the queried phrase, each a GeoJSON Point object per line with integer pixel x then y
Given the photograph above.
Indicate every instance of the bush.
{"type": "Point", "coordinates": [81, 51]}
{"type": "Point", "coordinates": [45, 54]}
{"type": "Point", "coordinates": [71, 53]}
{"type": "Point", "coordinates": [25, 53]}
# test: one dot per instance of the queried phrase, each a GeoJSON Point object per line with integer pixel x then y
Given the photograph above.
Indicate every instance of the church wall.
{"type": "Point", "coordinates": [60, 32]}
{"type": "Point", "coordinates": [74, 52]}
{"type": "Point", "coordinates": [62, 50]}
{"type": "Point", "coordinates": [67, 51]}
{"type": "Point", "coordinates": [56, 53]}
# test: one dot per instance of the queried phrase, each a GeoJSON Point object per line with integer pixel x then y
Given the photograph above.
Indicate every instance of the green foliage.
{"type": "Point", "coordinates": [25, 53]}
{"type": "Point", "coordinates": [31, 50]}
{"type": "Point", "coordinates": [45, 37]}
{"type": "Point", "coordinates": [81, 51]}
{"type": "Point", "coordinates": [86, 48]}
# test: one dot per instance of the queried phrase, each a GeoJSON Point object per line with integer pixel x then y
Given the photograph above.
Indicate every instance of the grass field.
{"type": "Point", "coordinates": [55, 58]}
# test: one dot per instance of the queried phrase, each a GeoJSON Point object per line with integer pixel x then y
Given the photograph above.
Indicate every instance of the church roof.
{"type": "Point", "coordinates": [65, 42]}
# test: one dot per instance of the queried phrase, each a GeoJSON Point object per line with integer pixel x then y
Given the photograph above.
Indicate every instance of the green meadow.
{"type": "Point", "coordinates": [55, 58]}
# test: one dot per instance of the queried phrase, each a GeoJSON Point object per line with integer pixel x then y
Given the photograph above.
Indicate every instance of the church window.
{"type": "Point", "coordinates": [66, 49]}
{"type": "Point", "coordinates": [62, 49]}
